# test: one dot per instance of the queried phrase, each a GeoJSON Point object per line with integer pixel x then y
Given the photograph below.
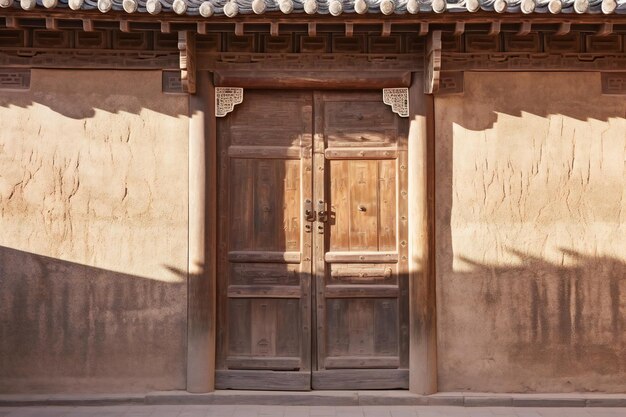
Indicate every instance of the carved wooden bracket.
{"type": "Point", "coordinates": [187, 61]}
{"type": "Point", "coordinates": [398, 99]}
{"type": "Point", "coordinates": [226, 98]}
{"type": "Point", "coordinates": [433, 62]}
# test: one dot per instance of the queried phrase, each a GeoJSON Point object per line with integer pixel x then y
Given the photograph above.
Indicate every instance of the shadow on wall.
{"type": "Point", "coordinates": [574, 316]}
{"type": "Point", "coordinates": [80, 94]}
{"type": "Point", "coordinates": [68, 327]}
{"type": "Point", "coordinates": [530, 221]}
{"type": "Point", "coordinates": [540, 94]}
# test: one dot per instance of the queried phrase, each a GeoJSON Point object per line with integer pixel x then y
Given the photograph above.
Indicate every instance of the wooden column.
{"type": "Point", "coordinates": [422, 322]}
{"type": "Point", "coordinates": [201, 317]}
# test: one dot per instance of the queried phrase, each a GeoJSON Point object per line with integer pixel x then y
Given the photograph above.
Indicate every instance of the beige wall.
{"type": "Point", "coordinates": [531, 234]}
{"type": "Point", "coordinates": [93, 233]}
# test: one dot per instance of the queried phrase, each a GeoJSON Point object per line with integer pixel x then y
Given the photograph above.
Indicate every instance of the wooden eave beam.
{"type": "Point", "coordinates": [445, 22]}
{"type": "Point", "coordinates": [386, 28]}
{"type": "Point", "coordinates": [494, 29]}
{"type": "Point", "coordinates": [423, 29]}
{"type": "Point", "coordinates": [459, 28]}
{"type": "Point", "coordinates": [88, 25]}
{"type": "Point", "coordinates": [564, 29]}
{"type": "Point", "coordinates": [187, 51]}
{"type": "Point", "coordinates": [349, 29]}
{"type": "Point", "coordinates": [525, 28]}
{"type": "Point", "coordinates": [239, 29]}
{"type": "Point", "coordinates": [449, 19]}
{"type": "Point", "coordinates": [52, 23]}
{"type": "Point", "coordinates": [605, 29]}
{"type": "Point", "coordinates": [432, 65]}
{"type": "Point", "coordinates": [11, 22]}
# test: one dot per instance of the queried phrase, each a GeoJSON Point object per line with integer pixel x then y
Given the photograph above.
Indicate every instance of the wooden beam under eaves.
{"type": "Point", "coordinates": [524, 28]}
{"type": "Point", "coordinates": [52, 23]}
{"type": "Point", "coordinates": [564, 29]}
{"type": "Point", "coordinates": [11, 22]}
{"type": "Point", "coordinates": [423, 29]}
{"type": "Point", "coordinates": [605, 29]}
{"type": "Point", "coordinates": [433, 62]}
{"type": "Point", "coordinates": [187, 60]}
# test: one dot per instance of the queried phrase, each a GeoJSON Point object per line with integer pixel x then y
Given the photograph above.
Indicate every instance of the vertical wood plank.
{"type": "Point", "coordinates": [291, 203]}
{"type": "Point", "coordinates": [239, 341]}
{"type": "Point", "coordinates": [241, 194]}
{"type": "Point", "coordinates": [340, 206]}
{"type": "Point", "coordinates": [266, 215]}
{"type": "Point", "coordinates": [387, 203]}
{"type": "Point", "coordinates": [263, 327]}
{"type": "Point", "coordinates": [422, 307]}
{"type": "Point", "coordinates": [319, 230]}
{"type": "Point", "coordinates": [363, 205]}
{"type": "Point", "coordinates": [360, 331]}
{"type": "Point", "coordinates": [202, 239]}
{"type": "Point", "coordinates": [306, 238]}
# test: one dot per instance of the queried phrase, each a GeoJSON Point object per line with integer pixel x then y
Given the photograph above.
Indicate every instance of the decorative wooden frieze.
{"type": "Point", "coordinates": [510, 61]}
{"type": "Point", "coordinates": [14, 79]}
{"type": "Point", "coordinates": [314, 44]}
{"type": "Point", "coordinates": [171, 82]}
{"type": "Point", "coordinates": [433, 62]}
{"type": "Point", "coordinates": [569, 42]}
{"type": "Point", "coordinates": [450, 82]}
{"type": "Point", "coordinates": [13, 38]}
{"type": "Point", "coordinates": [531, 42]}
{"type": "Point", "coordinates": [52, 39]}
{"type": "Point", "coordinates": [226, 98]}
{"type": "Point", "coordinates": [312, 62]}
{"type": "Point", "coordinates": [398, 99]}
{"type": "Point", "coordinates": [278, 44]}
{"type": "Point", "coordinates": [475, 42]}
{"type": "Point", "coordinates": [614, 83]}
{"type": "Point", "coordinates": [606, 43]}
{"type": "Point", "coordinates": [92, 40]}
{"type": "Point", "coordinates": [131, 40]}
{"type": "Point", "coordinates": [42, 58]}
{"type": "Point", "coordinates": [387, 44]}
{"type": "Point", "coordinates": [187, 49]}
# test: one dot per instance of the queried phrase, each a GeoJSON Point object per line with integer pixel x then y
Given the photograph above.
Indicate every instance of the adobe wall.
{"type": "Point", "coordinates": [93, 234]}
{"type": "Point", "coordinates": [531, 234]}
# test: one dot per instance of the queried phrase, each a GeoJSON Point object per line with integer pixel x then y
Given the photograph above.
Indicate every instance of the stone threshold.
{"type": "Point", "coordinates": [322, 398]}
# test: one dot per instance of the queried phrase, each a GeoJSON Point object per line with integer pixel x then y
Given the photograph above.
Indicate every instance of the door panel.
{"type": "Point", "coordinates": [312, 243]}
{"type": "Point", "coordinates": [264, 336]}
{"type": "Point", "coordinates": [361, 258]}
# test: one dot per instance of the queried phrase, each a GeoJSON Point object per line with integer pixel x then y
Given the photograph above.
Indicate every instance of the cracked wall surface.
{"type": "Point", "coordinates": [93, 224]}
{"type": "Point", "coordinates": [531, 234]}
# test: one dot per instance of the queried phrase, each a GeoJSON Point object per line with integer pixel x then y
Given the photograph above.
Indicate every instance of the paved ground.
{"type": "Point", "coordinates": [303, 411]}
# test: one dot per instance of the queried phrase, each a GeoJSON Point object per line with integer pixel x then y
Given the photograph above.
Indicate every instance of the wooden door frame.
{"type": "Point", "coordinates": [203, 218]}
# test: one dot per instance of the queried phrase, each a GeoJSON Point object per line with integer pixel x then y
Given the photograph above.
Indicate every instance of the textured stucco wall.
{"type": "Point", "coordinates": [531, 234]}
{"type": "Point", "coordinates": [93, 233]}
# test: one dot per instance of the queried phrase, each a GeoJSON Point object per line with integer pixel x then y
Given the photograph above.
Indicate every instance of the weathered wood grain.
{"type": "Point", "coordinates": [361, 379]}
{"type": "Point", "coordinates": [267, 380]}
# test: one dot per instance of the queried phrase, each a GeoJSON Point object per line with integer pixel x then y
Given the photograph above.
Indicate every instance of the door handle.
{"type": "Point", "coordinates": [309, 214]}
{"type": "Point", "coordinates": [322, 214]}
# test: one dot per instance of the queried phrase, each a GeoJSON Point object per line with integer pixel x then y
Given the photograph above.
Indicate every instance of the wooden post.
{"type": "Point", "coordinates": [201, 317]}
{"type": "Point", "coordinates": [422, 307]}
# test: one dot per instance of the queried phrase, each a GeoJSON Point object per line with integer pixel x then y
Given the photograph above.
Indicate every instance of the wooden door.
{"type": "Point", "coordinates": [312, 184]}
{"type": "Point", "coordinates": [264, 273]}
{"type": "Point", "coordinates": [360, 244]}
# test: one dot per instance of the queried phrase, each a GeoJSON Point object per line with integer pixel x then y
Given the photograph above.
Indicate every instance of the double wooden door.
{"type": "Point", "coordinates": [312, 273]}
